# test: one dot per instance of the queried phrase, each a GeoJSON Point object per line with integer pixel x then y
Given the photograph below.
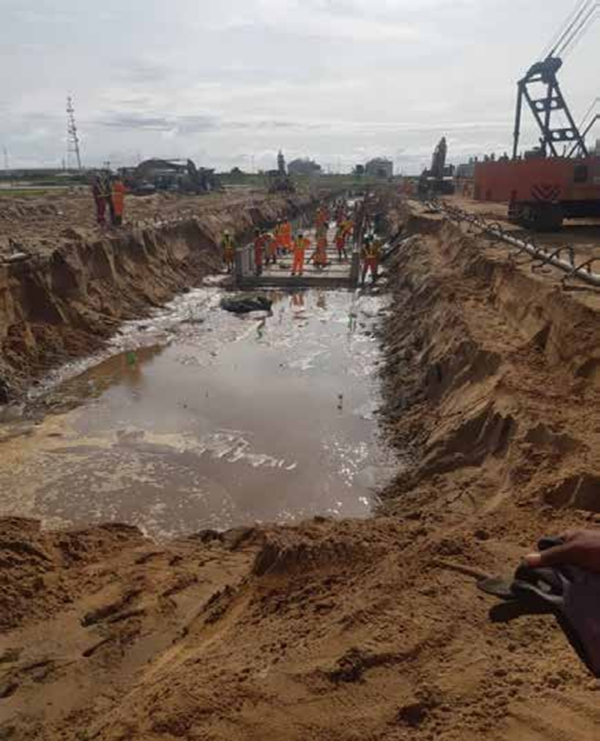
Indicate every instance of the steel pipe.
{"type": "Point", "coordinates": [582, 271]}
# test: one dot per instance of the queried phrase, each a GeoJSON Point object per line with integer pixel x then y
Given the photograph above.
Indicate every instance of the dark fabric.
{"type": "Point", "coordinates": [570, 593]}
{"type": "Point", "coordinates": [246, 304]}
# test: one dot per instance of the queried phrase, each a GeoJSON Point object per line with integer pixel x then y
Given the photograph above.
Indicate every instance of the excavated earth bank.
{"type": "Point", "coordinates": [80, 283]}
{"type": "Point", "coordinates": [347, 630]}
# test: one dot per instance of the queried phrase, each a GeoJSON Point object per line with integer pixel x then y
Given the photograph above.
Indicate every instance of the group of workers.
{"type": "Point", "coordinates": [271, 245]}
{"type": "Point", "coordinates": [280, 241]}
{"type": "Point", "coordinates": [109, 195]}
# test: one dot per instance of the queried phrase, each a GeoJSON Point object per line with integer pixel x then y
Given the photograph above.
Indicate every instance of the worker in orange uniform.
{"type": "Point", "coordinates": [228, 248]}
{"type": "Point", "coordinates": [320, 218]}
{"type": "Point", "coordinates": [260, 241]}
{"type": "Point", "coordinates": [319, 257]}
{"type": "Point", "coordinates": [117, 195]}
{"type": "Point", "coordinates": [287, 239]}
{"type": "Point", "coordinates": [301, 244]}
{"type": "Point", "coordinates": [341, 239]}
{"type": "Point", "coordinates": [278, 232]}
{"type": "Point", "coordinates": [371, 255]}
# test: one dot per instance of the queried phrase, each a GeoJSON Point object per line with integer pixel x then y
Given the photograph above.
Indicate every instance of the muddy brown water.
{"type": "Point", "coordinates": [197, 418]}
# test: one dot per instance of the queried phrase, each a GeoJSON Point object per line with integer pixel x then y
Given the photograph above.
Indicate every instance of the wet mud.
{"type": "Point", "coordinates": [196, 418]}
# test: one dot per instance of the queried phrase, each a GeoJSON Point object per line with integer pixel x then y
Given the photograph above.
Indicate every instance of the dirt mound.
{"type": "Point", "coordinates": [484, 379]}
{"type": "Point", "coordinates": [36, 566]}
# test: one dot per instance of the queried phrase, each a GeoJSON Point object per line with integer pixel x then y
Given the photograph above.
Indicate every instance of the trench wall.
{"type": "Point", "coordinates": [492, 379]}
{"type": "Point", "coordinates": [63, 305]}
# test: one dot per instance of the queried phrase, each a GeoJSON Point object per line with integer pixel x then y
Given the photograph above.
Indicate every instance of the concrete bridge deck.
{"type": "Point", "coordinates": [335, 275]}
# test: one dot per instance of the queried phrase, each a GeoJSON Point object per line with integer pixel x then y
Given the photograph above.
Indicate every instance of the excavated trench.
{"type": "Point", "coordinates": [72, 292]}
{"type": "Point", "coordinates": [191, 417]}
{"type": "Point", "coordinates": [330, 628]}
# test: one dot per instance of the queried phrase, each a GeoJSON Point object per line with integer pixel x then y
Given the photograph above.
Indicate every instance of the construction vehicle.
{"type": "Point", "coordinates": [278, 180]}
{"type": "Point", "coordinates": [439, 180]}
{"type": "Point", "coordinates": [546, 185]}
{"type": "Point", "coordinates": [278, 183]}
{"type": "Point", "coordinates": [176, 176]}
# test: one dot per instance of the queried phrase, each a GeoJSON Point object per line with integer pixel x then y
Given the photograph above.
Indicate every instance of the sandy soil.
{"type": "Point", "coordinates": [347, 630]}
{"type": "Point", "coordinates": [582, 234]}
{"type": "Point", "coordinates": [35, 224]}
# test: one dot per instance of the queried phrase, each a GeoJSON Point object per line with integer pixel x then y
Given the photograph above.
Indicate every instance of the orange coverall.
{"type": "Point", "coordinates": [300, 246]}
{"type": "Point", "coordinates": [286, 236]}
{"type": "Point", "coordinates": [271, 241]}
{"type": "Point", "coordinates": [320, 256]}
{"type": "Point", "coordinates": [118, 200]}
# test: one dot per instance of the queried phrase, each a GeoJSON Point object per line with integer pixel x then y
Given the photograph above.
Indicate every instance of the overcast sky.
{"type": "Point", "coordinates": [229, 82]}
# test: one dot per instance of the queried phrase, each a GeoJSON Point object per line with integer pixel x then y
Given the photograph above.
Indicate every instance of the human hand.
{"type": "Point", "coordinates": [581, 548]}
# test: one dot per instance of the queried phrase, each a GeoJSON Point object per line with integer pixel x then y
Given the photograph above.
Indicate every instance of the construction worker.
{"type": "Point", "coordinates": [99, 199]}
{"type": "Point", "coordinates": [228, 248]}
{"type": "Point", "coordinates": [270, 248]}
{"type": "Point", "coordinates": [279, 238]}
{"type": "Point", "coordinates": [301, 244]}
{"type": "Point", "coordinates": [340, 243]}
{"type": "Point", "coordinates": [260, 241]}
{"type": "Point", "coordinates": [371, 255]}
{"type": "Point", "coordinates": [348, 229]}
{"type": "Point", "coordinates": [319, 257]}
{"type": "Point", "coordinates": [318, 217]}
{"type": "Point", "coordinates": [287, 238]}
{"type": "Point", "coordinates": [342, 237]}
{"type": "Point", "coordinates": [117, 195]}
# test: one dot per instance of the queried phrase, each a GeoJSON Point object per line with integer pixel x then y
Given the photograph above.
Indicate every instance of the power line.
{"type": "Point", "coordinates": [72, 135]}
{"type": "Point", "coordinates": [569, 26]}
{"type": "Point", "coordinates": [571, 43]}
{"type": "Point", "coordinates": [550, 49]}
{"type": "Point", "coordinates": [589, 112]}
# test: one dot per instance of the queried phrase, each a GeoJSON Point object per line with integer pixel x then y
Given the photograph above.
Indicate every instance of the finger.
{"type": "Point", "coordinates": [570, 535]}
{"type": "Point", "coordinates": [560, 554]}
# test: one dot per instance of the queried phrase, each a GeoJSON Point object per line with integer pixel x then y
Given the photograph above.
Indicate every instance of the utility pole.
{"type": "Point", "coordinates": [72, 135]}
{"type": "Point", "coordinates": [6, 164]}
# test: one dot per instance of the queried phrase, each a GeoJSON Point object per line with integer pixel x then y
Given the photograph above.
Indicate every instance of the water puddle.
{"type": "Point", "coordinates": [197, 418]}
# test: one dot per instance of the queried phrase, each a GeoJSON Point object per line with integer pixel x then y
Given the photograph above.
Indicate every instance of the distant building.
{"type": "Point", "coordinates": [380, 168]}
{"type": "Point", "coordinates": [304, 167]}
{"type": "Point", "coordinates": [598, 147]}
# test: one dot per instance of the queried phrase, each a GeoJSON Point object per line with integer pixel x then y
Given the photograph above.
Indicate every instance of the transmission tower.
{"type": "Point", "coordinates": [5, 152]}
{"type": "Point", "coordinates": [72, 135]}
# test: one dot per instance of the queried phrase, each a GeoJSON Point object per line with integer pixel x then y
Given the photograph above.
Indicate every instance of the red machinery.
{"type": "Point", "coordinates": [547, 185]}
{"type": "Point", "coordinates": [542, 192]}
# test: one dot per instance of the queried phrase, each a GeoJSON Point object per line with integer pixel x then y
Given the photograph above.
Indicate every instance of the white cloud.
{"type": "Point", "coordinates": [225, 79]}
